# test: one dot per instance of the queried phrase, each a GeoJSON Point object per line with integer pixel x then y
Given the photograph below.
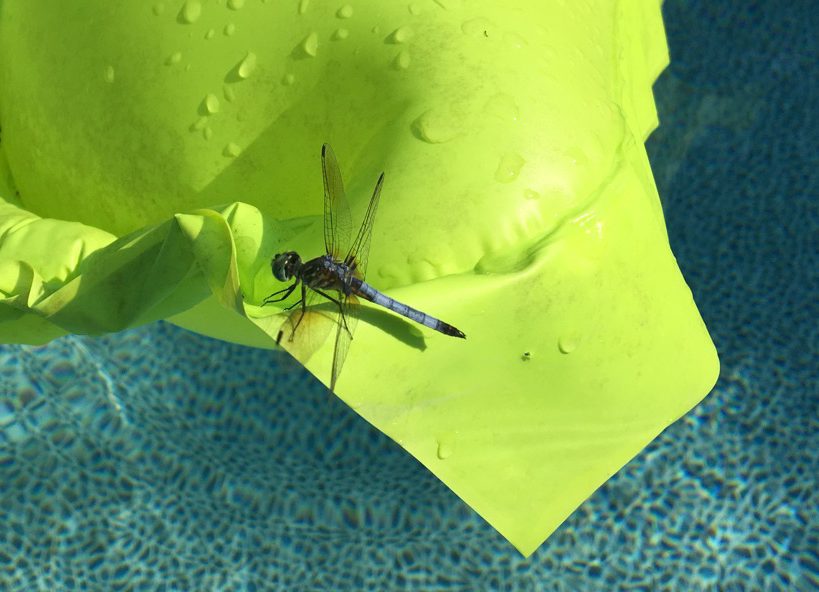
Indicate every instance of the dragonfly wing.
{"type": "Point", "coordinates": [305, 330]}
{"type": "Point", "coordinates": [359, 252]}
{"type": "Point", "coordinates": [337, 224]}
{"type": "Point", "coordinates": [347, 321]}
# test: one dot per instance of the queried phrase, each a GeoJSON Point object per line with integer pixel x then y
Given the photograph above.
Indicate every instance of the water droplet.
{"type": "Point", "coordinates": [446, 446]}
{"type": "Point", "coordinates": [400, 35]}
{"type": "Point", "coordinates": [414, 9]}
{"type": "Point", "coordinates": [109, 74]}
{"type": "Point", "coordinates": [308, 47]}
{"type": "Point", "coordinates": [232, 150]}
{"type": "Point", "coordinates": [526, 356]}
{"type": "Point", "coordinates": [248, 65]}
{"type": "Point", "coordinates": [303, 4]}
{"type": "Point", "coordinates": [345, 12]}
{"type": "Point", "coordinates": [235, 4]}
{"type": "Point", "coordinates": [514, 40]}
{"type": "Point", "coordinates": [402, 60]}
{"type": "Point", "coordinates": [288, 79]}
{"type": "Point", "coordinates": [211, 104]}
{"type": "Point", "coordinates": [191, 11]}
{"type": "Point", "coordinates": [341, 34]}
{"type": "Point", "coordinates": [531, 194]}
{"type": "Point", "coordinates": [435, 127]}
{"type": "Point", "coordinates": [174, 58]}
{"type": "Point", "coordinates": [207, 133]}
{"type": "Point", "coordinates": [503, 107]}
{"type": "Point", "coordinates": [230, 29]}
{"type": "Point", "coordinates": [210, 34]}
{"type": "Point", "coordinates": [476, 27]}
{"type": "Point", "coordinates": [230, 94]}
{"type": "Point", "coordinates": [567, 344]}
{"type": "Point", "coordinates": [199, 124]}
{"type": "Point", "coordinates": [376, 29]}
{"type": "Point", "coordinates": [509, 167]}
{"type": "Point", "coordinates": [159, 8]}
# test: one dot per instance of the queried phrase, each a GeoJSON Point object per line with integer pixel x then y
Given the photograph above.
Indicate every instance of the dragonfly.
{"type": "Point", "coordinates": [338, 275]}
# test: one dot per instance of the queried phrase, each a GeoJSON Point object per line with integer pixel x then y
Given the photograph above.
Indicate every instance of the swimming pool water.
{"type": "Point", "coordinates": [157, 459]}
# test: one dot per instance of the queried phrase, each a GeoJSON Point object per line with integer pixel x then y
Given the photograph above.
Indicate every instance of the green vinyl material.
{"type": "Point", "coordinates": [518, 205]}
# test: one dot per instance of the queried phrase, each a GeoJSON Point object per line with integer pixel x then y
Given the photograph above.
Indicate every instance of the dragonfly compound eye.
{"type": "Point", "coordinates": [279, 266]}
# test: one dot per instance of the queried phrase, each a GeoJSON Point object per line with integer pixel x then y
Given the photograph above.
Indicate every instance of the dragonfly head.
{"type": "Point", "coordinates": [285, 265]}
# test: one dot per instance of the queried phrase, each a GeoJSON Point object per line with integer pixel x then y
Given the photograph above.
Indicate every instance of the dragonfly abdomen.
{"type": "Point", "coordinates": [367, 292]}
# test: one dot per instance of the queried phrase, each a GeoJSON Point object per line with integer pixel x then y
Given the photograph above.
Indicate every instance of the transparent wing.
{"type": "Point", "coordinates": [359, 253]}
{"type": "Point", "coordinates": [303, 335]}
{"type": "Point", "coordinates": [304, 332]}
{"type": "Point", "coordinates": [347, 321]}
{"type": "Point", "coordinates": [337, 224]}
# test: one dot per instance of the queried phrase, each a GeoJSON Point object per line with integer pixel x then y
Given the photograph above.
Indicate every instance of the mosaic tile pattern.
{"type": "Point", "coordinates": [160, 460]}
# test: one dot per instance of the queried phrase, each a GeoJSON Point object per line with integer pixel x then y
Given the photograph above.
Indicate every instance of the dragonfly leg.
{"type": "Point", "coordinates": [286, 292]}
{"type": "Point", "coordinates": [344, 321]}
{"type": "Point", "coordinates": [292, 306]}
{"type": "Point", "coordinates": [303, 310]}
{"type": "Point", "coordinates": [337, 302]}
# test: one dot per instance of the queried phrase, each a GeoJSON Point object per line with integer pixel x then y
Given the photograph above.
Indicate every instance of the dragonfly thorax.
{"type": "Point", "coordinates": [285, 265]}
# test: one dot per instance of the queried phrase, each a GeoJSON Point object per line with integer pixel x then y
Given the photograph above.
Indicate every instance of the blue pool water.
{"type": "Point", "coordinates": [156, 459]}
